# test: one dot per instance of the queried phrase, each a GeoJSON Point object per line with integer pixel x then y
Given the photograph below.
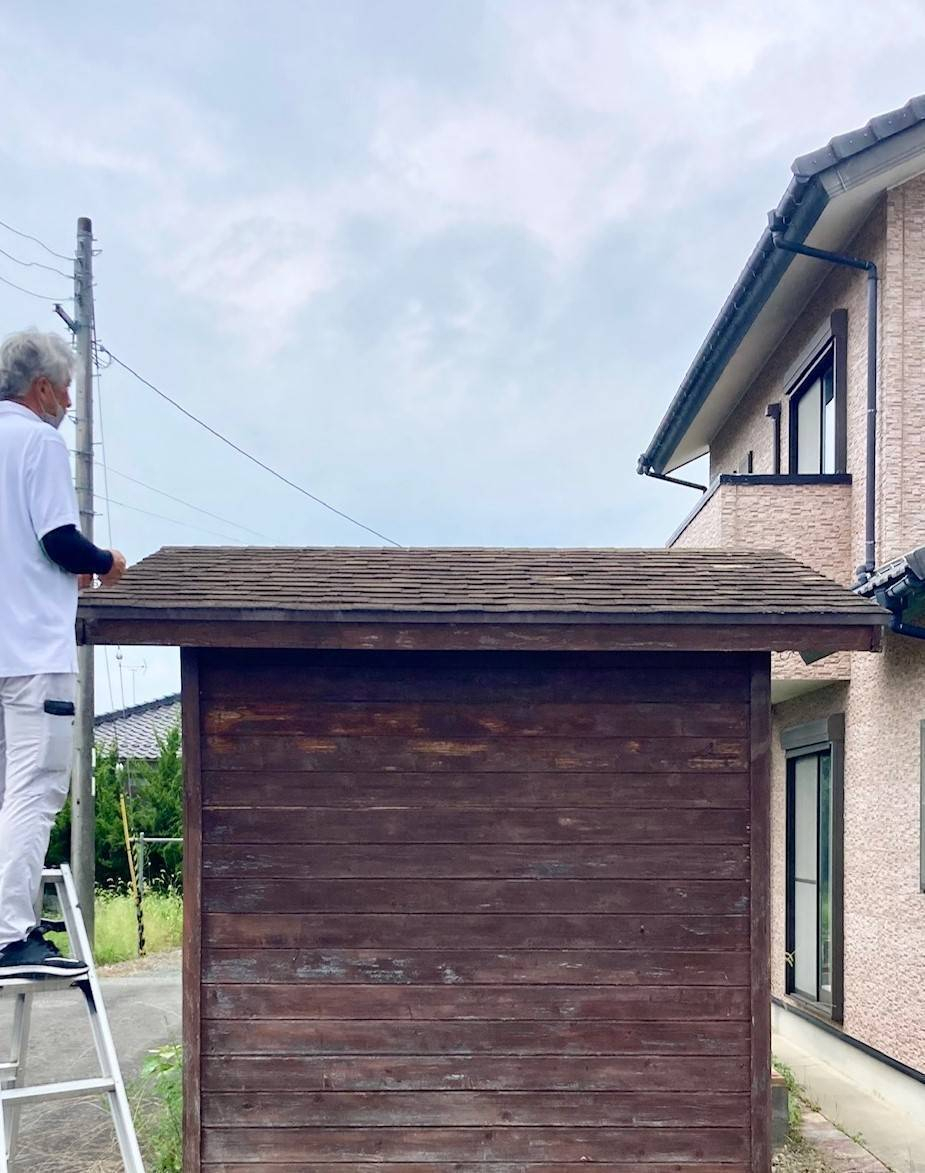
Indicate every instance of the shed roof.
{"type": "Point", "coordinates": [234, 586]}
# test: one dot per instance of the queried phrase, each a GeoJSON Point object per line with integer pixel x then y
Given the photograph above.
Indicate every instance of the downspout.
{"type": "Point", "coordinates": [646, 470]}
{"type": "Point", "coordinates": [778, 227]}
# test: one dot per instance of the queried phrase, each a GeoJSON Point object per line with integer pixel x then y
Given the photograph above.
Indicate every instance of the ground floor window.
{"type": "Point", "coordinates": [814, 868]}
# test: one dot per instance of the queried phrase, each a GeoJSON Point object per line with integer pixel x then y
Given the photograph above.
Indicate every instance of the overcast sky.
{"type": "Point", "coordinates": [444, 262]}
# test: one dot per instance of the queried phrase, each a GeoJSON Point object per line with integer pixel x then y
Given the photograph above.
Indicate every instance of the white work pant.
{"type": "Point", "coordinates": [36, 747]}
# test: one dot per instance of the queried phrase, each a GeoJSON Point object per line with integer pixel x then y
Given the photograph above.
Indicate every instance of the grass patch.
{"type": "Point", "coordinates": [117, 926]}
{"type": "Point", "coordinates": [797, 1100]}
{"type": "Point", "coordinates": [157, 1108]}
{"type": "Point", "coordinates": [797, 1155]}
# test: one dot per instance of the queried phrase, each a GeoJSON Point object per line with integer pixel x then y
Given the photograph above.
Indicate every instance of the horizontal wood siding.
{"type": "Point", "coordinates": [259, 1166]}
{"type": "Point", "coordinates": [476, 911]}
{"type": "Point", "coordinates": [522, 861]}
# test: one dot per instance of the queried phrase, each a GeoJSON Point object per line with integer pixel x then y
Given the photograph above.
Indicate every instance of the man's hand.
{"type": "Point", "coordinates": [118, 569]}
{"type": "Point", "coordinates": [84, 581]}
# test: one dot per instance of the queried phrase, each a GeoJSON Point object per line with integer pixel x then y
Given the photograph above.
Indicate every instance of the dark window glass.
{"type": "Point", "coordinates": [813, 418]}
{"type": "Point", "coordinates": [809, 880]}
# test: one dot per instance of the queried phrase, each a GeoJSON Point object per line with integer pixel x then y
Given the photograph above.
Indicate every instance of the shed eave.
{"type": "Point", "coordinates": [733, 633]}
{"type": "Point", "coordinates": [862, 616]}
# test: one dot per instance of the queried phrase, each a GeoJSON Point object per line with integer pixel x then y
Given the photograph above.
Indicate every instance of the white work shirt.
{"type": "Point", "coordinates": [38, 600]}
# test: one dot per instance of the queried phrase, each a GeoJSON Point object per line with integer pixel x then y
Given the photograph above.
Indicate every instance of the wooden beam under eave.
{"type": "Point", "coordinates": [824, 636]}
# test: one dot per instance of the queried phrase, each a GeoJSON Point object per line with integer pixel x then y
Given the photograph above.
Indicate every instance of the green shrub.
{"type": "Point", "coordinates": [154, 801]}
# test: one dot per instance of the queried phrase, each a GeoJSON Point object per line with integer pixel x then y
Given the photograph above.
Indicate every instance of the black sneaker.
{"type": "Point", "coordinates": [37, 958]}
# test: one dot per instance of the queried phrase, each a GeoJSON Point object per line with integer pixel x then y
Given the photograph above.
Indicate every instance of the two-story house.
{"type": "Point", "coordinates": [808, 394]}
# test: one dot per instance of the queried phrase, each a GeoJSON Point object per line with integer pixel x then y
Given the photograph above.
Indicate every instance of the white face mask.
{"type": "Point", "coordinates": [56, 418]}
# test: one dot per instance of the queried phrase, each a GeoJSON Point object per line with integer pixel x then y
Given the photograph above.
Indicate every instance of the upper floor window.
{"type": "Point", "coordinates": [812, 418]}
{"type": "Point", "coordinates": [816, 388]}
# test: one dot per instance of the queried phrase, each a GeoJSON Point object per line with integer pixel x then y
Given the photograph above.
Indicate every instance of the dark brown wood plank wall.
{"type": "Point", "coordinates": [469, 911]}
{"type": "Point", "coordinates": [192, 909]}
{"type": "Point", "coordinates": [760, 789]}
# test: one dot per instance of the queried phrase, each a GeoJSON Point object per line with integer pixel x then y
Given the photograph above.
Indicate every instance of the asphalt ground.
{"type": "Point", "coordinates": [143, 1000]}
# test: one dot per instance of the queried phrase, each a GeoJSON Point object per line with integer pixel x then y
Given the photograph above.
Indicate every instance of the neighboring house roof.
{"type": "Point", "coordinates": [832, 192]}
{"type": "Point", "coordinates": [471, 585]}
{"type": "Point", "coordinates": [135, 731]}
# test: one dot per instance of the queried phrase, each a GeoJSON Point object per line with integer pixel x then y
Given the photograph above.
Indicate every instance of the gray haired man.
{"type": "Point", "coordinates": [43, 557]}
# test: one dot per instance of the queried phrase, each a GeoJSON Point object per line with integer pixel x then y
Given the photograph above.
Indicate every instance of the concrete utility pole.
{"type": "Point", "coordinates": [83, 800]}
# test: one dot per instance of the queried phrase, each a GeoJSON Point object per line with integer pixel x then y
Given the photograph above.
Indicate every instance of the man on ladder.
{"type": "Point", "coordinates": [43, 557]}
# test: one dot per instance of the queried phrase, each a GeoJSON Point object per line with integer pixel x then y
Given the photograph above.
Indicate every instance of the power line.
{"type": "Point", "coordinates": [32, 293]}
{"type": "Point", "coordinates": [99, 397]}
{"type": "Point", "coordinates": [178, 500]}
{"type": "Point", "coordinates": [255, 460]}
{"type": "Point", "coordinates": [35, 239]}
{"type": "Point", "coordinates": [99, 400]}
{"type": "Point", "coordinates": [104, 464]}
{"type": "Point", "coordinates": [161, 517]}
{"type": "Point", "coordinates": [107, 469]}
{"type": "Point", "coordinates": [35, 265]}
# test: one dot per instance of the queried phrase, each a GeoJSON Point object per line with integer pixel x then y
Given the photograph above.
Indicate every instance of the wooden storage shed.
{"type": "Point", "coordinates": [477, 850]}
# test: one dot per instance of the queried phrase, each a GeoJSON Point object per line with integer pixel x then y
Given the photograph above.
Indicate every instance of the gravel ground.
{"type": "Point", "coordinates": [800, 1157]}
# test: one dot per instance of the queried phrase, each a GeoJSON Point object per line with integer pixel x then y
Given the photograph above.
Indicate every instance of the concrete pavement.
{"type": "Point", "coordinates": [894, 1138]}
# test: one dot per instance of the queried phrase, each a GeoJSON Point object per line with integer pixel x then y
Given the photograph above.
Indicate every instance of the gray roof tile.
{"type": "Point", "coordinates": [135, 731]}
{"type": "Point", "coordinates": [843, 146]}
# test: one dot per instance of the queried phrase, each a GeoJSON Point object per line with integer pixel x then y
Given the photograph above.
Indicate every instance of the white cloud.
{"type": "Point", "coordinates": [602, 114]}
{"type": "Point", "coordinates": [413, 296]}
{"type": "Point", "coordinates": [258, 260]}
{"type": "Point", "coordinates": [493, 165]}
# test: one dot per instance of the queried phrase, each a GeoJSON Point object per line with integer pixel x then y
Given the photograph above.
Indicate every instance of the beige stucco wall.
{"type": "Point", "coordinates": [704, 531]}
{"type": "Point", "coordinates": [885, 700]}
{"type": "Point", "coordinates": [884, 909]}
{"type": "Point", "coordinates": [748, 425]}
{"type": "Point", "coordinates": [901, 496]}
{"type": "Point", "coordinates": [894, 237]}
{"type": "Point", "coordinates": [808, 522]}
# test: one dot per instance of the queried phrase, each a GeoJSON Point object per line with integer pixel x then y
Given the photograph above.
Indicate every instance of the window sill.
{"type": "Point", "coordinates": [817, 1010]}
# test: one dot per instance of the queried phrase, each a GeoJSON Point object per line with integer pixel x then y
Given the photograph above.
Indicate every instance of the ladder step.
{"type": "Point", "coordinates": [107, 1084]}
{"type": "Point", "coordinates": [38, 985]}
{"type": "Point", "coordinates": [69, 1090]}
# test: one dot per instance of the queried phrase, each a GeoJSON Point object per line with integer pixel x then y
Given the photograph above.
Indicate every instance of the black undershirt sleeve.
{"type": "Point", "coordinates": [69, 549]}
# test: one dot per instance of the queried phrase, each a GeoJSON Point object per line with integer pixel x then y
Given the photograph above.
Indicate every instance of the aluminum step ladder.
{"type": "Point", "coordinates": [13, 1091]}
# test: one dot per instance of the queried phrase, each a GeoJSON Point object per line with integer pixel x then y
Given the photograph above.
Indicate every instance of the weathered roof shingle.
{"type": "Point", "coordinates": [335, 582]}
